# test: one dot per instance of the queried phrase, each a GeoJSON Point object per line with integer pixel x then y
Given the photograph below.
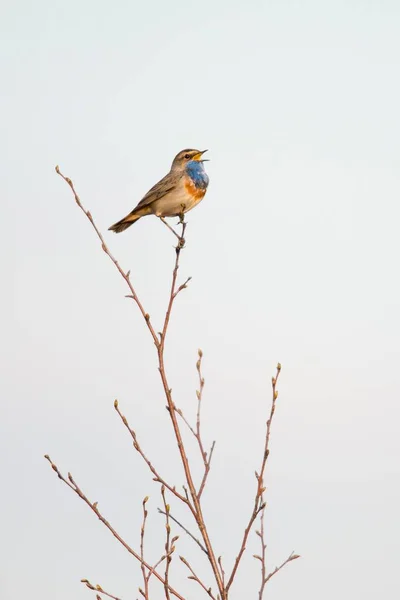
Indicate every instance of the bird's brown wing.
{"type": "Point", "coordinates": [163, 187]}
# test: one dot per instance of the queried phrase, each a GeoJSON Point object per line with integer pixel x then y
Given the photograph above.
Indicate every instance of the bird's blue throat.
{"type": "Point", "coordinates": [196, 172]}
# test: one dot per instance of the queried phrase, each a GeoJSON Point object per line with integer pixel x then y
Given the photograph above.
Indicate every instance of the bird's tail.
{"type": "Point", "coordinates": [129, 220]}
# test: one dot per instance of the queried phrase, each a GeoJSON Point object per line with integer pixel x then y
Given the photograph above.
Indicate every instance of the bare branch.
{"type": "Point", "coordinates": [262, 557]}
{"type": "Point", "coordinates": [199, 393]}
{"type": "Point", "coordinates": [183, 286]}
{"type": "Point", "coordinates": [71, 483]}
{"type": "Point", "coordinates": [221, 569]}
{"type": "Point", "coordinates": [169, 549]}
{"type": "Point", "coordinates": [158, 563]}
{"type": "Point", "coordinates": [125, 275]}
{"type": "Point", "coordinates": [184, 529]}
{"type": "Point", "coordinates": [196, 578]}
{"type": "Point", "coordinates": [197, 432]}
{"type": "Point", "coordinates": [142, 532]}
{"type": "Point", "coordinates": [259, 504]}
{"type": "Point", "coordinates": [265, 578]}
{"type": "Point", "coordinates": [291, 557]}
{"type": "Point", "coordinates": [136, 445]}
{"type": "Point", "coordinates": [184, 419]}
{"type": "Point", "coordinates": [98, 588]}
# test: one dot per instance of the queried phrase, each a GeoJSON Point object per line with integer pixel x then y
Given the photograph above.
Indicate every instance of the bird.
{"type": "Point", "coordinates": [178, 192]}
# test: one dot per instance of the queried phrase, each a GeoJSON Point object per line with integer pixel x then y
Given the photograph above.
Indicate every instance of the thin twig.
{"type": "Point", "coordinates": [259, 503]}
{"type": "Point", "coordinates": [136, 445]}
{"type": "Point", "coordinates": [291, 557]}
{"type": "Point", "coordinates": [184, 529]}
{"type": "Point", "coordinates": [184, 419]}
{"type": "Point", "coordinates": [221, 569]}
{"type": "Point", "coordinates": [194, 577]}
{"type": "Point", "coordinates": [98, 588]}
{"type": "Point", "coordinates": [125, 275]}
{"type": "Point", "coordinates": [168, 545]}
{"type": "Point", "coordinates": [262, 558]}
{"type": "Point", "coordinates": [142, 532]}
{"type": "Point", "coordinates": [71, 483]}
{"type": "Point", "coordinates": [199, 394]}
{"type": "Point", "coordinates": [183, 286]}
{"type": "Point", "coordinates": [197, 432]}
{"type": "Point", "coordinates": [152, 570]}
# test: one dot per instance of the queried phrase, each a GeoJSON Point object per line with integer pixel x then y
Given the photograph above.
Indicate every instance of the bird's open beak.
{"type": "Point", "coordinates": [199, 155]}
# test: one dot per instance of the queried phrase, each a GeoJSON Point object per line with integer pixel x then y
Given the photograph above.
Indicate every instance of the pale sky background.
{"type": "Point", "coordinates": [294, 255]}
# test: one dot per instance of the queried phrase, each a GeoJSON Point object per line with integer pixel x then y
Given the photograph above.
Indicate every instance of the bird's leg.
{"type": "Point", "coordinates": [183, 223]}
{"type": "Point", "coordinates": [181, 215]}
{"type": "Point", "coordinates": [170, 228]}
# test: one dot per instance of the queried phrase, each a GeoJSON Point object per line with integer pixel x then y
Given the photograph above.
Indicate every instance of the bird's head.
{"type": "Point", "coordinates": [185, 156]}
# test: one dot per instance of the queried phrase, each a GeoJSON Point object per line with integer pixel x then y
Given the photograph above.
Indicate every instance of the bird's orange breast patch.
{"type": "Point", "coordinates": [196, 193]}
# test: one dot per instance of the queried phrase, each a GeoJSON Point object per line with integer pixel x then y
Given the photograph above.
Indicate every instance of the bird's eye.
{"type": "Point", "coordinates": [187, 156]}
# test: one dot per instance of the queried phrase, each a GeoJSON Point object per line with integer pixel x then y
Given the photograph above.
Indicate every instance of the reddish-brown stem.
{"type": "Point", "coordinates": [197, 432]}
{"type": "Point", "coordinates": [262, 557]}
{"type": "Point", "coordinates": [194, 577]}
{"type": "Point", "coordinates": [168, 549]}
{"type": "Point", "coordinates": [93, 505]}
{"type": "Point", "coordinates": [221, 569]}
{"type": "Point", "coordinates": [98, 588]}
{"type": "Point", "coordinates": [152, 570]}
{"type": "Point", "coordinates": [206, 461]}
{"type": "Point", "coordinates": [136, 445]}
{"type": "Point", "coordinates": [185, 530]}
{"type": "Point", "coordinates": [125, 275]}
{"type": "Point", "coordinates": [291, 557]}
{"type": "Point", "coordinates": [258, 500]}
{"type": "Point", "coordinates": [172, 412]}
{"type": "Point", "coordinates": [142, 532]}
